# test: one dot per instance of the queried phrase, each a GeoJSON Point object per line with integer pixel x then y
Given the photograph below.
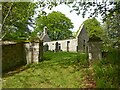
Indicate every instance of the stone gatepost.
{"type": "Point", "coordinates": [94, 48]}
{"type": "Point", "coordinates": [34, 51]}
{"type": "Point", "coordinates": [28, 49]}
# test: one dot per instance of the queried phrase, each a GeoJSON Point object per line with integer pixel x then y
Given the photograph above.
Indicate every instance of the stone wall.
{"type": "Point", "coordinates": [73, 45]}
{"type": "Point", "coordinates": [82, 40]}
{"type": "Point", "coordinates": [94, 50]}
{"type": "Point", "coordinates": [63, 45]}
{"type": "Point", "coordinates": [34, 51]}
{"type": "Point", "coordinates": [13, 56]}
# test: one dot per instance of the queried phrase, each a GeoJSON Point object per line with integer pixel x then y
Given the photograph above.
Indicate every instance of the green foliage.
{"type": "Point", "coordinates": [97, 7]}
{"type": "Point", "coordinates": [105, 8]}
{"type": "Point", "coordinates": [93, 27]}
{"type": "Point", "coordinates": [82, 7]}
{"type": "Point", "coordinates": [107, 71]}
{"type": "Point", "coordinates": [57, 23]}
{"type": "Point", "coordinates": [16, 19]}
{"type": "Point", "coordinates": [112, 29]}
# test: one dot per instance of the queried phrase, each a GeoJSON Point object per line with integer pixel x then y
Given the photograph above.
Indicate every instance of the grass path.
{"type": "Point", "coordinates": [58, 70]}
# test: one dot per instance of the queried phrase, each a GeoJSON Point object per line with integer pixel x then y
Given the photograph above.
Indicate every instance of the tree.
{"type": "Point", "coordinates": [111, 26]}
{"type": "Point", "coordinates": [81, 7]}
{"type": "Point", "coordinates": [93, 27]}
{"type": "Point", "coordinates": [103, 8]}
{"type": "Point", "coordinates": [16, 19]}
{"type": "Point", "coordinates": [57, 23]}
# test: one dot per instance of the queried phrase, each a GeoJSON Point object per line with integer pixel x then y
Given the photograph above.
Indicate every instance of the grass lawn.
{"type": "Point", "coordinates": [58, 70]}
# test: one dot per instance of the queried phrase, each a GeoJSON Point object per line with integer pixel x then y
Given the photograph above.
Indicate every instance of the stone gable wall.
{"type": "Point", "coordinates": [82, 40]}
{"type": "Point", "coordinates": [77, 44]}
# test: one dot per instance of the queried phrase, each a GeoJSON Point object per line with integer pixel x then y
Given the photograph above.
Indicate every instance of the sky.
{"type": "Point", "coordinates": [76, 20]}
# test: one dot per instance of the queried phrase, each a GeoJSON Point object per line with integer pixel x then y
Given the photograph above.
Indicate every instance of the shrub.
{"type": "Point", "coordinates": [107, 71]}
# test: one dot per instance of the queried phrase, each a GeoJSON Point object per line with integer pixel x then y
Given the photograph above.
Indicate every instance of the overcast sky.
{"type": "Point", "coordinates": [76, 20]}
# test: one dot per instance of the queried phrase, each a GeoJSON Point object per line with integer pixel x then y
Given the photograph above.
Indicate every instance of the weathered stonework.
{"type": "Point", "coordinates": [63, 45]}
{"type": "Point", "coordinates": [77, 44]}
{"type": "Point", "coordinates": [44, 36]}
{"type": "Point", "coordinates": [15, 54]}
{"type": "Point", "coordinates": [94, 48]}
{"type": "Point", "coordinates": [34, 51]}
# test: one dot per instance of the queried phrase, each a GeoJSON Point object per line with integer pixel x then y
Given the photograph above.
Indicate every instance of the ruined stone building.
{"type": "Point", "coordinates": [79, 43]}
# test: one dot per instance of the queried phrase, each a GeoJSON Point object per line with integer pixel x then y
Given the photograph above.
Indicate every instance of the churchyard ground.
{"type": "Point", "coordinates": [57, 70]}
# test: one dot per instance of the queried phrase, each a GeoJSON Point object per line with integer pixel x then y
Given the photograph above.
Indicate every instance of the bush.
{"type": "Point", "coordinates": [107, 72]}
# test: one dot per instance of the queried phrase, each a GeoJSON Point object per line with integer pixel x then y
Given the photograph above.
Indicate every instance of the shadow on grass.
{"type": "Point", "coordinates": [18, 70]}
{"type": "Point", "coordinates": [60, 59]}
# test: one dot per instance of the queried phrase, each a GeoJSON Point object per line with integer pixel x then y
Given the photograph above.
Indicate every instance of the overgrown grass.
{"type": "Point", "coordinates": [67, 70]}
{"type": "Point", "coordinates": [107, 72]}
{"type": "Point", "coordinates": [57, 70]}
